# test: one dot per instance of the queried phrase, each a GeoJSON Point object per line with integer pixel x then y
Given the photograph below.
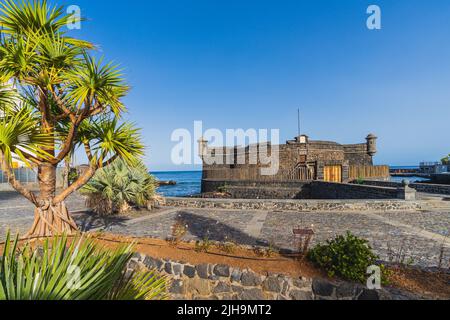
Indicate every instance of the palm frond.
{"type": "Point", "coordinates": [19, 60]}
{"type": "Point", "coordinates": [20, 134]}
{"type": "Point", "coordinates": [96, 82]}
{"type": "Point", "coordinates": [8, 97]}
{"type": "Point", "coordinates": [108, 137]}
{"type": "Point", "coordinates": [20, 17]}
{"type": "Point", "coordinates": [119, 186]}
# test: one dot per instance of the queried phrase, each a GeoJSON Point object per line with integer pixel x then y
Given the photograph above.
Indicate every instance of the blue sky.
{"type": "Point", "coordinates": [251, 64]}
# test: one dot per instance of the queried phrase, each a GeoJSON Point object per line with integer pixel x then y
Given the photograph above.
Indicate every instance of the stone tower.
{"type": "Point", "coordinates": [371, 144]}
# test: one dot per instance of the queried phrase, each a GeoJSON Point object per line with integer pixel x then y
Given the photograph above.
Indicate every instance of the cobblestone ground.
{"type": "Point", "coordinates": [391, 235]}
{"type": "Point", "coordinates": [419, 236]}
{"type": "Point", "coordinates": [16, 213]}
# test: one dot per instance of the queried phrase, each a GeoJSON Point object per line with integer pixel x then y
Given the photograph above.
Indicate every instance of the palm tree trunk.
{"type": "Point", "coordinates": [50, 218]}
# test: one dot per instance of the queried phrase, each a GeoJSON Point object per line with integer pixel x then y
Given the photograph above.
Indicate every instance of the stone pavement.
{"type": "Point", "coordinates": [420, 235]}
{"type": "Point", "coordinates": [17, 214]}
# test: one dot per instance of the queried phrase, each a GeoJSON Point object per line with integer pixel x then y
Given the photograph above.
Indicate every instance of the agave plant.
{"type": "Point", "coordinates": [120, 186]}
{"type": "Point", "coordinates": [74, 270]}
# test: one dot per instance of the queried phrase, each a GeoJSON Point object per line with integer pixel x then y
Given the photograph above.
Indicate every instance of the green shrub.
{"type": "Point", "coordinates": [222, 189]}
{"type": "Point", "coordinates": [118, 187]}
{"type": "Point", "coordinates": [73, 175]}
{"type": "Point", "coordinates": [74, 270]}
{"type": "Point", "coordinates": [347, 257]}
{"type": "Point", "coordinates": [204, 245]}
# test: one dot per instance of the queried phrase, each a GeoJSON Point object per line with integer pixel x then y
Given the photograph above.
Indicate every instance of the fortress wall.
{"type": "Point", "coordinates": [357, 154]}
{"type": "Point", "coordinates": [212, 185]}
{"type": "Point", "coordinates": [320, 153]}
{"type": "Point", "coordinates": [329, 190]}
{"type": "Point", "coordinates": [299, 190]}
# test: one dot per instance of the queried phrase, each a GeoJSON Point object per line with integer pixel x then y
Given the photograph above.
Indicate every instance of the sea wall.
{"type": "Point", "coordinates": [223, 282]}
{"type": "Point", "coordinates": [212, 185]}
{"type": "Point", "coordinates": [329, 190]}
{"type": "Point", "coordinates": [441, 178]}
{"type": "Point", "coordinates": [419, 187]}
{"type": "Point", "coordinates": [264, 192]}
{"type": "Point", "coordinates": [301, 190]}
{"type": "Point", "coordinates": [296, 205]}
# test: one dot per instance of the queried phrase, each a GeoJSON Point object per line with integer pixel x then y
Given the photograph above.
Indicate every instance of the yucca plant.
{"type": "Point", "coordinates": [54, 97]}
{"type": "Point", "coordinates": [120, 186]}
{"type": "Point", "coordinates": [74, 270]}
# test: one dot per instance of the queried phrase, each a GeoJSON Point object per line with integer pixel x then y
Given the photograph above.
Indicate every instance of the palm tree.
{"type": "Point", "coordinates": [61, 98]}
{"type": "Point", "coordinates": [119, 187]}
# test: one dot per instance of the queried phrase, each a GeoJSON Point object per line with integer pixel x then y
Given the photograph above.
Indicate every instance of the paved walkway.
{"type": "Point", "coordinates": [421, 236]}
{"type": "Point", "coordinates": [17, 214]}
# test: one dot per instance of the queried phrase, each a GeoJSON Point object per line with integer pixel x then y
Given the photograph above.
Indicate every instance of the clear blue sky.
{"type": "Point", "coordinates": [251, 64]}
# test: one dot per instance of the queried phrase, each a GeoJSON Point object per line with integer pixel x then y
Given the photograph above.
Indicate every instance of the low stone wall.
{"type": "Point", "coordinates": [262, 192]}
{"type": "Point", "coordinates": [301, 190]}
{"type": "Point", "coordinates": [419, 187]}
{"type": "Point", "coordinates": [329, 190]}
{"type": "Point", "coordinates": [296, 205]}
{"type": "Point", "coordinates": [212, 185]}
{"type": "Point", "coordinates": [222, 282]}
{"type": "Point", "coordinates": [443, 178]}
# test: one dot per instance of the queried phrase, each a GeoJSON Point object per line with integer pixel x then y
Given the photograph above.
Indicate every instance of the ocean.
{"type": "Point", "coordinates": [189, 182]}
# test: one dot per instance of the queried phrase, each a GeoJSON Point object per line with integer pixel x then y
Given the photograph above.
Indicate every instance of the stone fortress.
{"type": "Point", "coordinates": [300, 160]}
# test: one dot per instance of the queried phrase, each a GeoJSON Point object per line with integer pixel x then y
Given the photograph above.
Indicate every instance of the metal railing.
{"type": "Point", "coordinates": [430, 164]}
{"type": "Point", "coordinates": [23, 175]}
{"type": "Point", "coordinates": [27, 175]}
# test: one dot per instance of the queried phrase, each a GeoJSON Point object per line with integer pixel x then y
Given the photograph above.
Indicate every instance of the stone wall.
{"type": "Point", "coordinates": [300, 190]}
{"type": "Point", "coordinates": [357, 154]}
{"type": "Point", "coordinates": [303, 161]}
{"type": "Point", "coordinates": [442, 178]}
{"type": "Point", "coordinates": [329, 190]}
{"type": "Point", "coordinates": [243, 192]}
{"type": "Point", "coordinates": [297, 205]}
{"type": "Point", "coordinates": [222, 282]}
{"type": "Point", "coordinates": [419, 187]}
{"type": "Point", "coordinates": [212, 185]}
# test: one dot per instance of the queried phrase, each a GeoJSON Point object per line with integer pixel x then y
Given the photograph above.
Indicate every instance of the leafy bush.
{"type": "Point", "coordinates": [204, 245]}
{"type": "Point", "coordinates": [73, 175]}
{"type": "Point", "coordinates": [74, 270]}
{"type": "Point", "coordinates": [222, 189]}
{"type": "Point", "coordinates": [118, 187]}
{"type": "Point", "coordinates": [347, 257]}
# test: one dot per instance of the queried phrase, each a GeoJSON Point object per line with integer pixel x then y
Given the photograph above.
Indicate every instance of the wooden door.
{"type": "Point", "coordinates": [333, 174]}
